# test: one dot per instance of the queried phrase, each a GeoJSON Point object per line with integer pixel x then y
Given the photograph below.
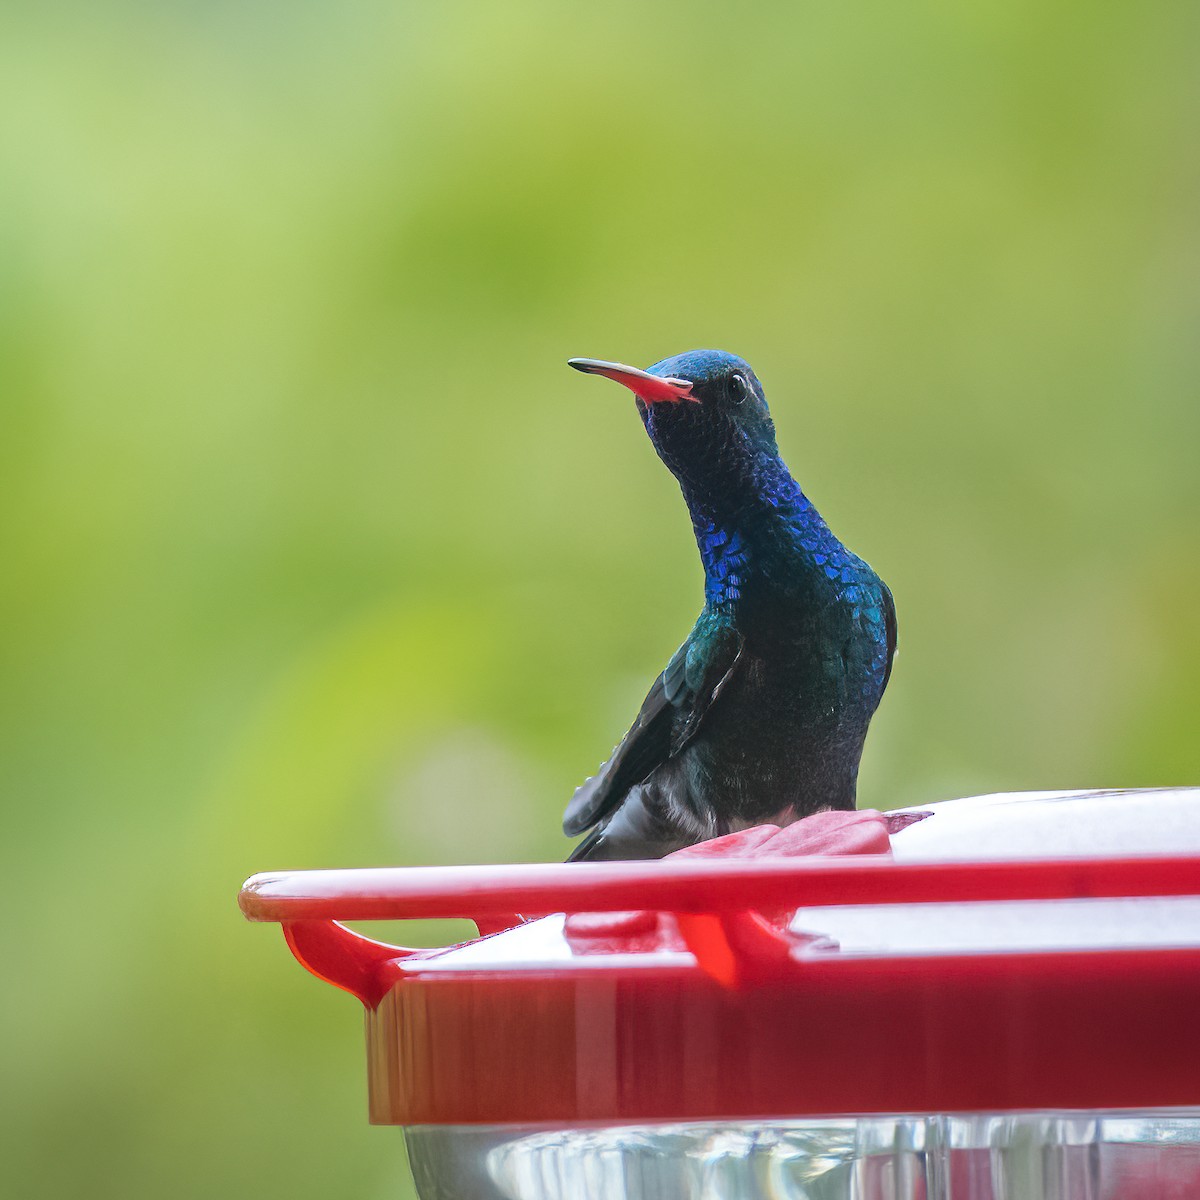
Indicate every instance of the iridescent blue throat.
{"type": "Point", "coordinates": [774, 526]}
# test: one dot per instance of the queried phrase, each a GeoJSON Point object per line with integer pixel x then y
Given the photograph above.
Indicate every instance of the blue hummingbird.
{"type": "Point", "coordinates": [761, 714]}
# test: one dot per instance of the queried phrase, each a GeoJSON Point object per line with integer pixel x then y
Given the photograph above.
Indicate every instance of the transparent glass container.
{"type": "Point", "coordinates": [1014, 1156]}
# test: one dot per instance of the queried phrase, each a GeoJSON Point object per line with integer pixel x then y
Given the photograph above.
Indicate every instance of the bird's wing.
{"type": "Point", "coordinates": [668, 719]}
{"type": "Point", "coordinates": [889, 625]}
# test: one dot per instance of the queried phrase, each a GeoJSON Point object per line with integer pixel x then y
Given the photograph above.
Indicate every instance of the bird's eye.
{"type": "Point", "coordinates": [739, 389]}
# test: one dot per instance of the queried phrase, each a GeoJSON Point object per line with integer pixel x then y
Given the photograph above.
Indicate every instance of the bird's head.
{"type": "Point", "coordinates": [706, 414]}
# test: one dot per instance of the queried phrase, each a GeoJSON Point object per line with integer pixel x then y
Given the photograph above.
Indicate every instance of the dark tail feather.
{"type": "Point", "coordinates": [632, 832]}
{"type": "Point", "coordinates": [589, 849]}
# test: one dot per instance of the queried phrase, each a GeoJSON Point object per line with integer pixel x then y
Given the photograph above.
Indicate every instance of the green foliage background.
{"type": "Point", "coordinates": [316, 554]}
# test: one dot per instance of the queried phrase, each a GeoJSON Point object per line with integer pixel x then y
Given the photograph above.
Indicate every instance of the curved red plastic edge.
{"type": "Point", "coordinates": [338, 955]}
{"type": "Point", "coordinates": [696, 886]}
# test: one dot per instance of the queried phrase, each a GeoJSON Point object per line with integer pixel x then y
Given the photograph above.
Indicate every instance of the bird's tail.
{"type": "Point", "coordinates": [632, 832]}
{"type": "Point", "coordinates": [590, 849]}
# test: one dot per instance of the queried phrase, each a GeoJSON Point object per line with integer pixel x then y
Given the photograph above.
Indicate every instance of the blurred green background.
{"type": "Point", "coordinates": [316, 554]}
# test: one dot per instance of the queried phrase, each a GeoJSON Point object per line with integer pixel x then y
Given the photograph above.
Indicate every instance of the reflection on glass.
{"type": "Point", "coordinates": [1026, 1156]}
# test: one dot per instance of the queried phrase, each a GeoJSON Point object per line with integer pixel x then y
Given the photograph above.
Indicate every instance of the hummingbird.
{"type": "Point", "coordinates": [761, 715]}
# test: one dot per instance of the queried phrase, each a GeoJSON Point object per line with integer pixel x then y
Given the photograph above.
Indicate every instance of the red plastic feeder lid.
{"type": "Point", "coordinates": [1009, 953]}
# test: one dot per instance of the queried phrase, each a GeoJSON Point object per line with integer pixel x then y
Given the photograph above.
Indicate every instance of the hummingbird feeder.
{"type": "Point", "coordinates": [1002, 1005]}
